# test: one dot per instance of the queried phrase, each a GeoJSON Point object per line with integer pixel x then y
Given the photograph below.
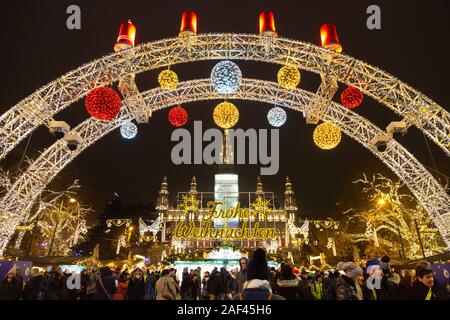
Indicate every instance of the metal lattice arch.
{"type": "Point", "coordinates": [40, 108]}
{"type": "Point", "coordinates": [423, 185]}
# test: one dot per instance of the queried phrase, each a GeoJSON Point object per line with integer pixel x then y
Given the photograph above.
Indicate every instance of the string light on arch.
{"type": "Point", "coordinates": [128, 130]}
{"type": "Point", "coordinates": [277, 117]}
{"type": "Point", "coordinates": [226, 115]}
{"type": "Point", "coordinates": [226, 77]}
{"type": "Point", "coordinates": [178, 116]}
{"type": "Point", "coordinates": [289, 77]}
{"type": "Point", "coordinates": [327, 136]}
{"type": "Point", "coordinates": [168, 79]}
{"type": "Point", "coordinates": [352, 97]}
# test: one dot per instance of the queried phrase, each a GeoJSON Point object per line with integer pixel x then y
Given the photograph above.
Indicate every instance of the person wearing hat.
{"type": "Point", "coordinates": [287, 283]}
{"type": "Point", "coordinates": [426, 287]}
{"type": "Point", "coordinates": [348, 285]}
{"type": "Point", "coordinates": [257, 286]}
{"type": "Point", "coordinates": [9, 288]}
{"type": "Point", "coordinates": [374, 288]}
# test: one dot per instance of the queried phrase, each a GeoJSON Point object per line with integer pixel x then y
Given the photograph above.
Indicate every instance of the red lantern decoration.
{"type": "Point", "coordinates": [267, 24]}
{"type": "Point", "coordinates": [188, 24]}
{"type": "Point", "coordinates": [352, 97]}
{"type": "Point", "coordinates": [329, 37]}
{"type": "Point", "coordinates": [178, 116]}
{"type": "Point", "coordinates": [103, 103]}
{"type": "Point", "coordinates": [127, 36]}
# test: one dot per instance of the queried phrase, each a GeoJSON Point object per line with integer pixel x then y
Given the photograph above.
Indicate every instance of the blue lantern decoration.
{"type": "Point", "coordinates": [128, 130]}
{"type": "Point", "coordinates": [277, 117]}
{"type": "Point", "coordinates": [226, 77]}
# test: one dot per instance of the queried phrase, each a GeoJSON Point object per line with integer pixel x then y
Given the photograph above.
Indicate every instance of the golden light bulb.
{"type": "Point", "coordinates": [168, 80]}
{"type": "Point", "coordinates": [327, 136]}
{"type": "Point", "coordinates": [289, 77]}
{"type": "Point", "coordinates": [226, 115]}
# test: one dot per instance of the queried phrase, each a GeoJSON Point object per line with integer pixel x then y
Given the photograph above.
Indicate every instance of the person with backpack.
{"type": "Point", "coordinates": [165, 287]}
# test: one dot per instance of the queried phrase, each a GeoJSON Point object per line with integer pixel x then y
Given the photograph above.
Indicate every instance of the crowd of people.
{"type": "Point", "coordinates": [253, 280]}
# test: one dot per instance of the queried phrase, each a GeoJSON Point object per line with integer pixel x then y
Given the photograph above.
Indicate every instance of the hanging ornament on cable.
{"type": "Point", "coordinates": [277, 117]}
{"type": "Point", "coordinates": [289, 77]}
{"type": "Point", "coordinates": [226, 77]}
{"type": "Point", "coordinates": [226, 115]}
{"type": "Point", "coordinates": [178, 116]}
{"type": "Point", "coordinates": [168, 79]}
{"type": "Point", "coordinates": [128, 130]}
{"type": "Point", "coordinates": [103, 103]}
{"type": "Point", "coordinates": [327, 136]}
{"type": "Point", "coordinates": [352, 97]}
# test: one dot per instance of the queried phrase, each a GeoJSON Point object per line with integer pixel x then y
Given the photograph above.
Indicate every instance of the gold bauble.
{"type": "Point", "coordinates": [327, 136]}
{"type": "Point", "coordinates": [226, 115]}
{"type": "Point", "coordinates": [289, 77]}
{"type": "Point", "coordinates": [168, 80]}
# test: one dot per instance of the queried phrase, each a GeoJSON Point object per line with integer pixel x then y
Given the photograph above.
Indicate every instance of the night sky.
{"type": "Point", "coordinates": [38, 48]}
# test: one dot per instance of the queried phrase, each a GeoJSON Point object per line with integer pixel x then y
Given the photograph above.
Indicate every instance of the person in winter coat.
{"type": "Point", "coordinates": [232, 284]}
{"type": "Point", "coordinates": [91, 286]}
{"type": "Point", "coordinates": [106, 285]}
{"type": "Point", "coordinates": [205, 280]}
{"type": "Point", "coordinates": [317, 287]}
{"type": "Point", "coordinates": [287, 283]}
{"type": "Point", "coordinates": [225, 279]}
{"type": "Point", "coordinates": [150, 292]}
{"type": "Point", "coordinates": [242, 275]}
{"type": "Point", "coordinates": [33, 288]}
{"type": "Point", "coordinates": [348, 285]}
{"type": "Point", "coordinates": [304, 287]}
{"type": "Point", "coordinates": [136, 286]}
{"type": "Point", "coordinates": [374, 287]}
{"type": "Point", "coordinates": [165, 287]}
{"type": "Point", "coordinates": [426, 287]}
{"type": "Point", "coordinates": [214, 285]}
{"type": "Point", "coordinates": [186, 285]}
{"type": "Point", "coordinates": [257, 286]}
{"type": "Point", "coordinates": [329, 286]}
{"type": "Point", "coordinates": [51, 284]}
{"type": "Point", "coordinates": [122, 286]}
{"type": "Point", "coordinates": [195, 284]}
{"type": "Point", "coordinates": [9, 287]}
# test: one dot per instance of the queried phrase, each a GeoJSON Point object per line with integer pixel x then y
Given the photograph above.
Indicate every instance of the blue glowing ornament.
{"type": "Point", "coordinates": [128, 130]}
{"type": "Point", "coordinates": [226, 77]}
{"type": "Point", "coordinates": [277, 117]}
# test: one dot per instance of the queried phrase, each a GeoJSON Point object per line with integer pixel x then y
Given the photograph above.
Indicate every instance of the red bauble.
{"type": "Point", "coordinates": [103, 103]}
{"type": "Point", "coordinates": [178, 116]}
{"type": "Point", "coordinates": [352, 97]}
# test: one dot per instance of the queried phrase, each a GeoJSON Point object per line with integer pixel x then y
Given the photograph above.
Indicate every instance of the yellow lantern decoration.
{"type": "Point", "coordinates": [226, 115]}
{"type": "Point", "coordinates": [289, 77]}
{"type": "Point", "coordinates": [168, 80]}
{"type": "Point", "coordinates": [327, 136]}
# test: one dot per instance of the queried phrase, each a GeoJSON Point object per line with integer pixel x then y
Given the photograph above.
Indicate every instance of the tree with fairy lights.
{"type": "Point", "coordinates": [393, 220]}
{"type": "Point", "coordinates": [31, 236]}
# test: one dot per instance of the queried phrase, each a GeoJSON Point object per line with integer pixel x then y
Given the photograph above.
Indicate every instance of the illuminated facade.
{"type": "Point", "coordinates": [266, 225]}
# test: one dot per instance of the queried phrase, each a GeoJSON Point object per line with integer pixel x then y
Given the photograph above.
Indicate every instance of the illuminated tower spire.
{"type": "Point", "coordinates": [193, 189]}
{"type": "Point", "coordinates": [259, 187]}
{"type": "Point", "coordinates": [162, 203]}
{"type": "Point", "coordinates": [290, 204]}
